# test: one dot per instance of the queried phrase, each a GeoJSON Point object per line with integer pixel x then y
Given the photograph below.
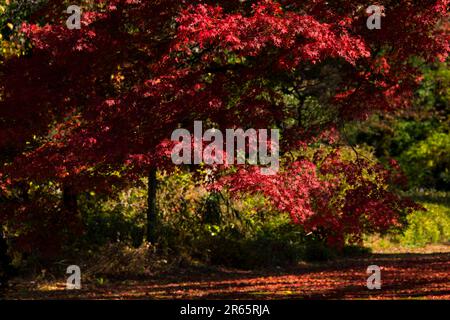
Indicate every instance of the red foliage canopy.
{"type": "Point", "coordinates": [82, 104]}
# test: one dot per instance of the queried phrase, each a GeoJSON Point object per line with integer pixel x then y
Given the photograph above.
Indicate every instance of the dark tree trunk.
{"type": "Point", "coordinates": [152, 215]}
{"type": "Point", "coordinates": [5, 261]}
{"type": "Point", "coordinates": [71, 216]}
{"type": "Point", "coordinates": [70, 200]}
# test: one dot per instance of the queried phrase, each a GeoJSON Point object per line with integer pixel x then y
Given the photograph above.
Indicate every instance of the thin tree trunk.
{"type": "Point", "coordinates": [70, 200]}
{"type": "Point", "coordinates": [5, 261]}
{"type": "Point", "coordinates": [70, 207]}
{"type": "Point", "coordinates": [152, 215]}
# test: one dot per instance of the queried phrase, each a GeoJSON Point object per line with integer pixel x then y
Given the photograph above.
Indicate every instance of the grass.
{"type": "Point", "coordinates": [427, 230]}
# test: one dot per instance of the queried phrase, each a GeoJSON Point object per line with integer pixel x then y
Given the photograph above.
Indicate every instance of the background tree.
{"type": "Point", "coordinates": [418, 137]}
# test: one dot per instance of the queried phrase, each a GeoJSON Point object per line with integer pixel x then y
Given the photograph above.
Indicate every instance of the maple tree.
{"type": "Point", "coordinates": [92, 108]}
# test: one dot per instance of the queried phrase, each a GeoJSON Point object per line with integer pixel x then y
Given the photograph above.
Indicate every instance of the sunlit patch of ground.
{"type": "Point", "coordinates": [423, 274]}
{"type": "Point", "coordinates": [381, 245]}
{"type": "Point", "coordinates": [432, 248]}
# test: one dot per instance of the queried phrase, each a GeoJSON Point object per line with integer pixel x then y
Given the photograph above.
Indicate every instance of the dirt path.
{"type": "Point", "coordinates": [404, 276]}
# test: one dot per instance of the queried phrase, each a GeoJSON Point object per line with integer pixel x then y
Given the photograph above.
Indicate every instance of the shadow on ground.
{"type": "Point", "coordinates": [419, 276]}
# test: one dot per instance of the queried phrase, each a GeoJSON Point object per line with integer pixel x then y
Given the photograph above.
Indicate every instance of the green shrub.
{"type": "Point", "coordinates": [199, 226]}
{"type": "Point", "coordinates": [427, 162]}
{"type": "Point", "coordinates": [431, 226]}
{"type": "Point", "coordinates": [274, 243]}
{"type": "Point", "coordinates": [113, 219]}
